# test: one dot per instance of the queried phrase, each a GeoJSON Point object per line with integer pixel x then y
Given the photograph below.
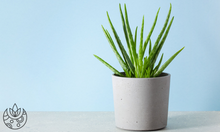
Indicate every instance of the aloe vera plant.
{"type": "Point", "coordinates": [134, 63]}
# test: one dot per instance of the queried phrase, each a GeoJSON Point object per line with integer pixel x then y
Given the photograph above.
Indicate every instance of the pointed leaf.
{"type": "Point", "coordinates": [109, 66]}
{"type": "Point", "coordinates": [125, 33]}
{"type": "Point", "coordinates": [163, 29]}
{"type": "Point", "coordinates": [158, 65]}
{"type": "Point", "coordinates": [162, 42]}
{"type": "Point", "coordinates": [155, 47]}
{"type": "Point", "coordinates": [130, 37]}
{"type": "Point", "coordinates": [150, 33]}
{"type": "Point", "coordinates": [145, 45]}
{"type": "Point", "coordinates": [148, 72]}
{"type": "Point", "coordinates": [150, 47]}
{"type": "Point", "coordinates": [167, 63]}
{"type": "Point", "coordinates": [141, 44]}
{"type": "Point", "coordinates": [123, 51]}
{"type": "Point", "coordinates": [135, 39]}
{"type": "Point", "coordinates": [122, 63]}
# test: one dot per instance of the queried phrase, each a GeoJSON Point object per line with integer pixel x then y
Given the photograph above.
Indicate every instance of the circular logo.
{"type": "Point", "coordinates": [15, 118]}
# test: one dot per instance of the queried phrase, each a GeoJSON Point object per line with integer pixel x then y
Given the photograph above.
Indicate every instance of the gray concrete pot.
{"type": "Point", "coordinates": [141, 103]}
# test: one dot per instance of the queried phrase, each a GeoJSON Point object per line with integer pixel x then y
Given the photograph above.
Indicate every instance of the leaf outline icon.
{"type": "Point", "coordinates": [15, 111]}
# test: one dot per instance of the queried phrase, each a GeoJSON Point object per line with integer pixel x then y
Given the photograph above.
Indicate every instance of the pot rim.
{"type": "Point", "coordinates": [161, 76]}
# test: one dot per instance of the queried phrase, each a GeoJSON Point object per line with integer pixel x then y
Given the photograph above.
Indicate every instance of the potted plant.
{"type": "Point", "coordinates": [141, 92]}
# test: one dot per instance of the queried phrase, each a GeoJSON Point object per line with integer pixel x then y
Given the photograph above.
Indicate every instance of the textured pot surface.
{"type": "Point", "coordinates": [141, 103]}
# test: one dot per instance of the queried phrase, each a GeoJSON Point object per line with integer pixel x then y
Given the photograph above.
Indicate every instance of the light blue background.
{"type": "Point", "coordinates": [47, 47]}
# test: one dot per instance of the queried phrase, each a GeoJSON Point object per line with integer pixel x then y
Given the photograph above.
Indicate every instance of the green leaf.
{"type": "Point", "coordinates": [135, 44]}
{"type": "Point", "coordinates": [163, 29]}
{"type": "Point", "coordinates": [143, 71]}
{"type": "Point", "coordinates": [123, 51]}
{"type": "Point", "coordinates": [158, 65]}
{"type": "Point", "coordinates": [149, 34]}
{"type": "Point", "coordinates": [150, 47]}
{"type": "Point", "coordinates": [135, 64]}
{"type": "Point", "coordinates": [130, 37]}
{"type": "Point", "coordinates": [148, 72]}
{"type": "Point", "coordinates": [153, 53]}
{"type": "Point", "coordinates": [167, 63]}
{"type": "Point", "coordinates": [162, 42]}
{"type": "Point", "coordinates": [109, 66]}
{"type": "Point", "coordinates": [141, 44]}
{"type": "Point", "coordinates": [135, 39]}
{"type": "Point", "coordinates": [125, 33]}
{"type": "Point", "coordinates": [146, 63]}
{"type": "Point", "coordinates": [122, 63]}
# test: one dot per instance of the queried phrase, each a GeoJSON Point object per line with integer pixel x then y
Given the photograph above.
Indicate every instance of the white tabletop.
{"type": "Point", "coordinates": [104, 122]}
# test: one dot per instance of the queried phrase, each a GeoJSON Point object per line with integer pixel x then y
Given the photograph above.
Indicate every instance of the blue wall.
{"type": "Point", "coordinates": [47, 47]}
